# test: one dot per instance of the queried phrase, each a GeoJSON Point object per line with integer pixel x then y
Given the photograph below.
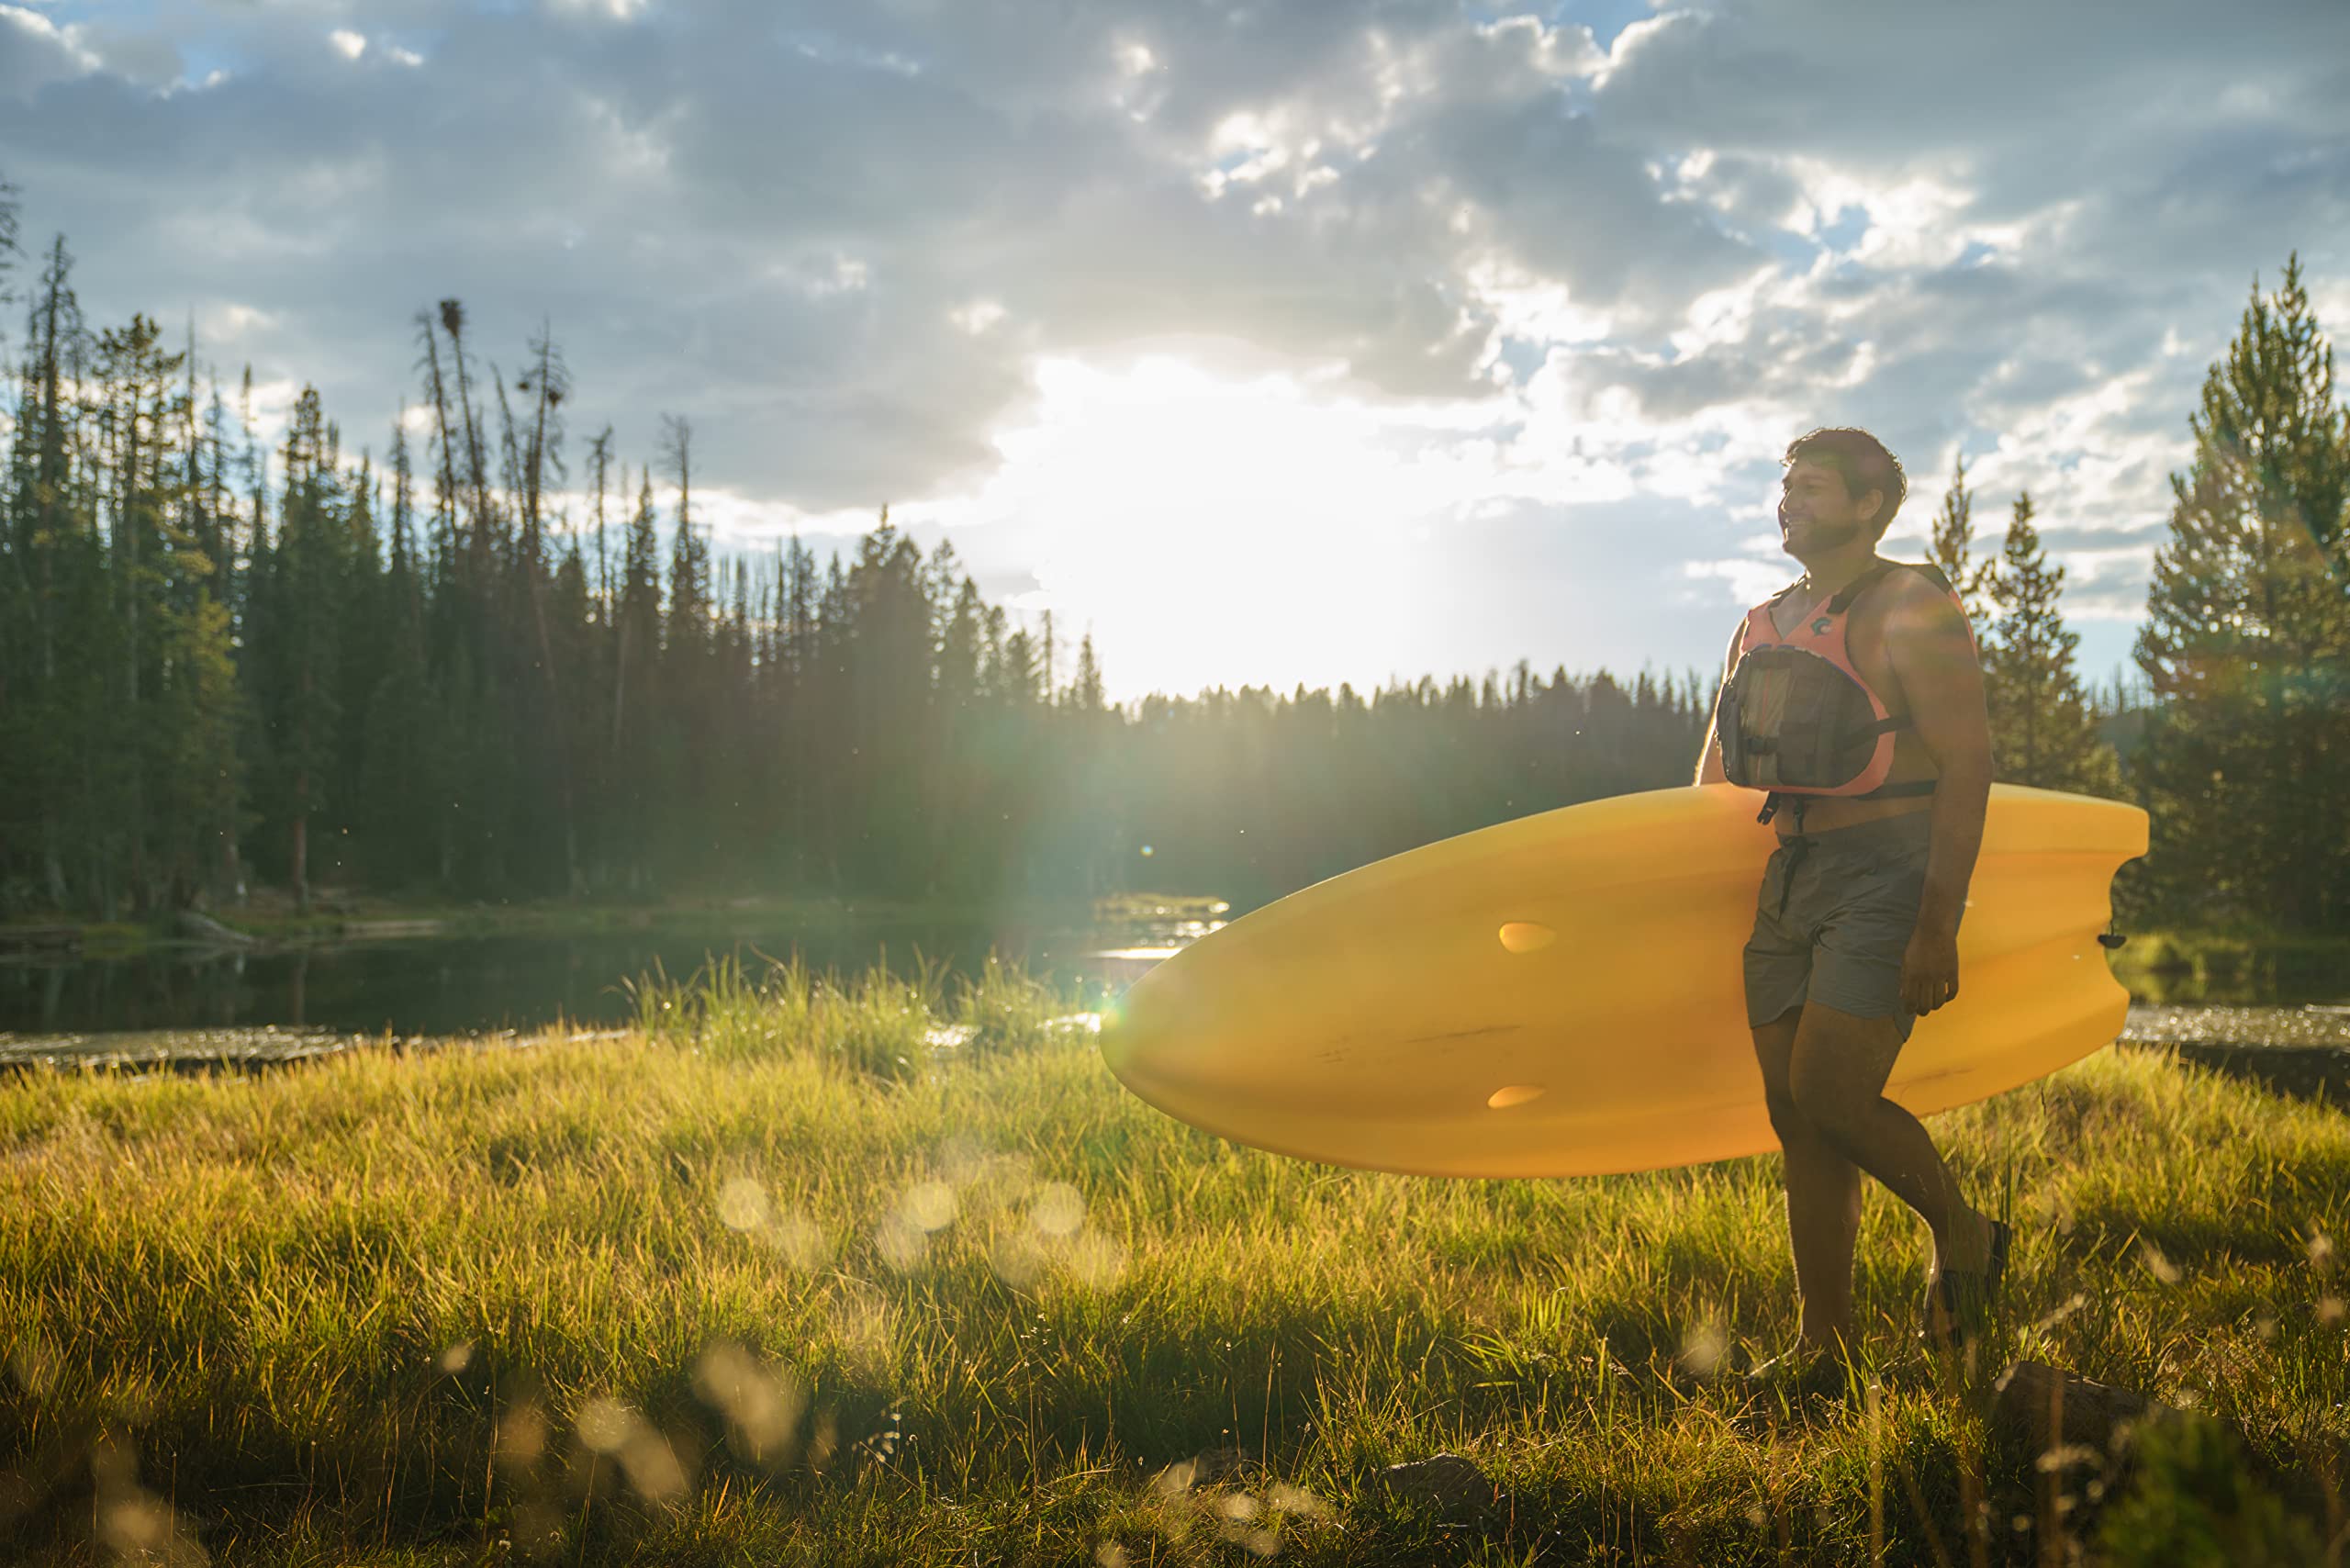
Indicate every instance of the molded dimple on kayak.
{"type": "Point", "coordinates": [1502, 1099]}
{"type": "Point", "coordinates": [1525, 937]}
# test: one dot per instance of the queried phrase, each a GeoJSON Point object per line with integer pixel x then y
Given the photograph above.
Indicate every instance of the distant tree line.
{"type": "Point", "coordinates": [221, 667]}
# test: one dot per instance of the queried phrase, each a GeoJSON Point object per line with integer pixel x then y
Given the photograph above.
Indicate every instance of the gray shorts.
{"type": "Point", "coordinates": [1833, 918]}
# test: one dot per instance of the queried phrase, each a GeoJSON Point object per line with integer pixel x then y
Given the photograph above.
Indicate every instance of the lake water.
{"type": "Point", "coordinates": [270, 1001]}
{"type": "Point", "coordinates": [437, 985]}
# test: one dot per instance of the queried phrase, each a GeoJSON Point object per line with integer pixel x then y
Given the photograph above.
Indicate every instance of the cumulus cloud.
{"type": "Point", "coordinates": [35, 51]}
{"type": "Point", "coordinates": [844, 237]}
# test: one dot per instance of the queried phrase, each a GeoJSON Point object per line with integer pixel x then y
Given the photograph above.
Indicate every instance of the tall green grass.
{"type": "Point", "coordinates": [891, 1271]}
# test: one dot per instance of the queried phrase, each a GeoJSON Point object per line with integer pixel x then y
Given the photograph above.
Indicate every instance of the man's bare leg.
{"type": "Point", "coordinates": [1837, 1072]}
{"type": "Point", "coordinates": [1823, 1198]}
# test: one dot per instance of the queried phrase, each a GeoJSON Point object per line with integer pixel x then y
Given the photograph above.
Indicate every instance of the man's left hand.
{"type": "Point", "coordinates": [1929, 969]}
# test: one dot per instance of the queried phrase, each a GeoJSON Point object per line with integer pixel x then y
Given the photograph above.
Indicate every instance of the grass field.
{"type": "Point", "coordinates": [897, 1273]}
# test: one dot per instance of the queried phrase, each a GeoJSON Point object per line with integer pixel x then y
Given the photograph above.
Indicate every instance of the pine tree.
{"type": "Point", "coordinates": [2246, 643]}
{"type": "Point", "coordinates": [203, 776]}
{"type": "Point", "coordinates": [2292, 437]}
{"type": "Point", "coordinates": [402, 783]}
{"type": "Point", "coordinates": [798, 591]}
{"type": "Point", "coordinates": [1085, 692]}
{"type": "Point", "coordinates": [574, 633]}
{"type": "Point", "coordinates": [8, 218]}
{"type": "Point", "coordinates": [57, 624]}
{"type": "Point", "coordinates": [690, 594]}
{"type": "Point", "coordinates": [636, 655]}
{"type": "Point", "coordinates": [306, 594]}
{"type": "Point", "coordinates": [599, 463]}
{"type": "Point", "coordinates": [1953, 545]}
{"type": "Point", "coordinates": [2044, 732]}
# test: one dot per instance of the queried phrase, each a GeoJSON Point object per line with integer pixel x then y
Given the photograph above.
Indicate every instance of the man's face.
{"type": "Point", "coordinates": [1815, 515]}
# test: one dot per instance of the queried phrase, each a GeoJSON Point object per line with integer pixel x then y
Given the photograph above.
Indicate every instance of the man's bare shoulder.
{"type": "Point", "coordinates": [1915, 605]}
{"type": "Point", "coordinates": [1923, 637]}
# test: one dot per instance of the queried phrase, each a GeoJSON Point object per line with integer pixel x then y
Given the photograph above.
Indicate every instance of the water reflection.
{"type": "Point", "coordinates": [437, 985]}
{"type": "Point", "coordinates": [2224, 976]}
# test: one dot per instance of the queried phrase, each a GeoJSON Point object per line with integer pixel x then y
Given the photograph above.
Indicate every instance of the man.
{"type": "Point", "coordinates": [1856, 925]}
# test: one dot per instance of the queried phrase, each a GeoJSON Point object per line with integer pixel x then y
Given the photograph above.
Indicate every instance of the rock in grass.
{"type": "Point", "coordinates": [2049, 1410]}
{"type": "Point", "coordinates": [1209, 1467]}
{"type": "Point", "coordinates": [1448, 1484]}
{"type": "Point", "coordinates": [1212, 1467]}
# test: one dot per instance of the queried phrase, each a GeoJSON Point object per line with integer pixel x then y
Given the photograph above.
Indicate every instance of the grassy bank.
{"type": "Point", "coordinates": [897, 1275]}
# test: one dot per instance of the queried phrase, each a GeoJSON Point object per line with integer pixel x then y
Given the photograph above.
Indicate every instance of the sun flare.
{"type": "Point", "coordinates": [1215, 530]}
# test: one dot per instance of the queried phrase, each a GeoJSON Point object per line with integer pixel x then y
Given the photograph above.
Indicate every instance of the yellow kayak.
{"type": "Point", "coordinates": [1562, 996]}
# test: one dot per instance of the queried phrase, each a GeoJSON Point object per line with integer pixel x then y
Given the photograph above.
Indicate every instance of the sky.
{"type": "Point", "coordinates": [1273, 343]}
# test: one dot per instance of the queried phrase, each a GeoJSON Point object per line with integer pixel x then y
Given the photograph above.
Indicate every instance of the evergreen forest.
{"type": "Point", "coordinates": [500, 662]}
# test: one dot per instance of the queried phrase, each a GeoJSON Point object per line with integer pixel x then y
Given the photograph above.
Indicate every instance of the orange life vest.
{"type": "Point", "coordinates": [1798, 719]}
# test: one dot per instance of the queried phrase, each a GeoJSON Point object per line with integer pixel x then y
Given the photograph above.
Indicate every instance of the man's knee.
{"type": "Point", "coordinates": [1786, 1118]}
{"type": "Point", "coordinates": [1826, 1100]}
{"type": "Point", "coordinates": [1774, 1051]}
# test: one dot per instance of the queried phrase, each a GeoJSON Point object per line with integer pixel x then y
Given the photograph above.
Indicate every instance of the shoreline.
{"type": "Point", "coordinates": [260, 925]}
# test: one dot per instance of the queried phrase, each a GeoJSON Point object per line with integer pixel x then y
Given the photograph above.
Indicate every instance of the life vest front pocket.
{"type": "Point", "coordinates": [1793, 720]}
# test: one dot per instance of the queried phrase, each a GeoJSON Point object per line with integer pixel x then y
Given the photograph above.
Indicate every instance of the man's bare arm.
{"type": "Point", "coordinates": [1709, 753]}
{"type": "Point", "coordinates": [1927, 641]}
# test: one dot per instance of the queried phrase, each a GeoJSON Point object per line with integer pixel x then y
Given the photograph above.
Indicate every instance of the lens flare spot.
{"type": "Point", "coordinates": [1058, 1210]}
{"type": "Point", "coordinates": [1525, 937]}
{"type": "Point", "coordinates": [741, 1204]}
{"type": "Point", "coordinates": [603, 1424]}
{"type": "Point", "coordinates": [1511, 1094]}
{"type": "Point", "coordinates": [520, 1439]}
{"type": "Point", "coordinates": [1702, 1348]}
{"type": "Point", "coordinates": [901, 1243]}
{"type": "Point", "coordinates": [1096, 1260]}
{"type": "Point", "coordinates": [930, 1205]}
{"type": "Point", "coordinates": [762, 1400]}
{"type": "Point", "coordinates": [795, 1238]}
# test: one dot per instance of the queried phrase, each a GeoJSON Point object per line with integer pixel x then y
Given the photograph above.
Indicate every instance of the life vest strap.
{"type": "Point", "coordinates": [1907, 790]}
{"type": "Point", "coordinates": [1870, 731]}
{"type": "Point", "coordinates": [1858, 586]}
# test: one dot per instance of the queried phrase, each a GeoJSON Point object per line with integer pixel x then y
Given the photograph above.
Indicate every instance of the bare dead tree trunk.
{"type": "Point", "coordinates": [452, 320]}
{"type": "Point", "coordinates": [441, 417]}
{"type": "Point", "coordinates": [547, 381]}
{"type": "Point", "coordinates": [599, 456]}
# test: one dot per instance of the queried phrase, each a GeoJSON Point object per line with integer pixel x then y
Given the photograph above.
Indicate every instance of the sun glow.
{"type": "Point", "coordinates": [1221, 531]}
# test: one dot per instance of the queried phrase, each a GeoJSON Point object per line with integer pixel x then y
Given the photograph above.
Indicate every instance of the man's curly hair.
{"type": "Point", "coordinates": [1860, 460]}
